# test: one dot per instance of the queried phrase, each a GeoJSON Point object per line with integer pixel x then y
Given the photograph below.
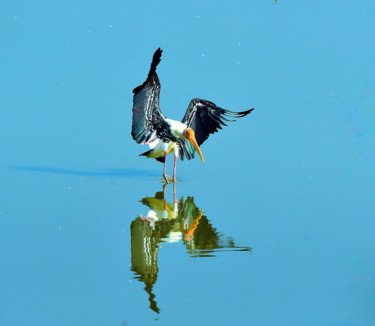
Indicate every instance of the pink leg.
{"type": "Point", "coordinates": [165, 166]}
{"type": "Point", "coordinates": [174, 169]}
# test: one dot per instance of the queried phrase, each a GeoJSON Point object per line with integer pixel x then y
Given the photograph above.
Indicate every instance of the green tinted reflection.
{"type": "Point", "coordinates": [182, 221]}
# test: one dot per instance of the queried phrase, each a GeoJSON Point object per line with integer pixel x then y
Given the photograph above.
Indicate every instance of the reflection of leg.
{"type": "Point", "coordinates": [174, 193]}
{"type": "Point", "coordinates": [174, 168]}
{"type": "Point", "coordinates": [165, 203]}
{"type": "Point", "coordinates": [165, 167]}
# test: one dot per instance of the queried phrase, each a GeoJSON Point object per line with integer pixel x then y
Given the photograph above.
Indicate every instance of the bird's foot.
{"type": "Point", "coordinates": [165, 178]}
{"type": "Point", "coordinates": [174, 179]}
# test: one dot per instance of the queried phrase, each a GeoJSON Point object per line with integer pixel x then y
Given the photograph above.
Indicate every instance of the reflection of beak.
{"type": "Point", "coordinates": [189, 233]}
{"type": "Point", "coordinates": [191, 137]}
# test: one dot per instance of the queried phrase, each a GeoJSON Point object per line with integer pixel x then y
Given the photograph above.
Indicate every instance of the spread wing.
{"type": "Point", "coordinates": [146, 109]}
{"type": "Point", "coordinates": [205, 118]}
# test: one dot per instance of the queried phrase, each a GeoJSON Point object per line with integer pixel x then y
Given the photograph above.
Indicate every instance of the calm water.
{"type": "Point", "coordinates": [275, 228]}
{"type": "Point", "coordinates": [97, 247]}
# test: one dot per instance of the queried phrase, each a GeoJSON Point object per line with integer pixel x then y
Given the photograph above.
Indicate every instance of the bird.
{"type": "Point", "coordinates": [165, 136]}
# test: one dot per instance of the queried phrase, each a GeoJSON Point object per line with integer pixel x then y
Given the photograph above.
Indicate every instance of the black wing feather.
{"type": "Point", "coordinates": [205, 118]}
{"type": "Point", "coordinates": [146, 109]}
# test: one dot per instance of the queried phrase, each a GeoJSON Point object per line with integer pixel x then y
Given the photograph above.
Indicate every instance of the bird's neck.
{"type": "Point", "coordinates": [177, 128]}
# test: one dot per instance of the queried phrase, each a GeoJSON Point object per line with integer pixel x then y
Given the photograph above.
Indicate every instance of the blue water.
{"type": "Point", "coordinates": [275, 228]}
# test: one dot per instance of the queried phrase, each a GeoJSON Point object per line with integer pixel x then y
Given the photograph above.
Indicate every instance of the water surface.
{"type": "Point", "coordinates": [275, 228]}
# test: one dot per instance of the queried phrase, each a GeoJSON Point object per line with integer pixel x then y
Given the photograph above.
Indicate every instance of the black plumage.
{"type": "Point", "coordinates": [205, 118]}
{"type": "Point", "coordinates": [148, 120]}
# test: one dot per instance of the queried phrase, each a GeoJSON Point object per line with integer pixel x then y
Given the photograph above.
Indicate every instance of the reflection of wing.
{"type": "Point", "coordinates": [205, 118]}
{"type": "Point", "coordinates": [201, 239]}
{"type": "Point", "coordinates": [144, 258]}
{"type": "Point", "coordinates": [206, 241]}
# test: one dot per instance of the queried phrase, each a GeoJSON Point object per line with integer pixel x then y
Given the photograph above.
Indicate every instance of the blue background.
{"type": "Point", "coordinates": [294, 180]}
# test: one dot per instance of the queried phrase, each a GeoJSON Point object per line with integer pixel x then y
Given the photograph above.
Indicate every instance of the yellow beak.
{"type": "Point", "coordinates": [190, 135]}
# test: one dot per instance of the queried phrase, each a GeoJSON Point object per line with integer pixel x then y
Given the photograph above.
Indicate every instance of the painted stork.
{"type": "Point", "coordinates": [164, 136]}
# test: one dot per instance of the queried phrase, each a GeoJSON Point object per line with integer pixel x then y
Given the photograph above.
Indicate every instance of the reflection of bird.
{"type": "Point", "coordinates": [167, 223]}
{"type": "Point", "coordinates": [164, 136]}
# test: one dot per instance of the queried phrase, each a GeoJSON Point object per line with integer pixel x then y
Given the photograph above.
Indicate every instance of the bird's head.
{"type": "Point", "coordinates": [190, 135]}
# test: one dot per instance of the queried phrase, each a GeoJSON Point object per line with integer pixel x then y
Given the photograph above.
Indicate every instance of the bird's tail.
{"type": "Point", "coordinates": [159, 159]}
